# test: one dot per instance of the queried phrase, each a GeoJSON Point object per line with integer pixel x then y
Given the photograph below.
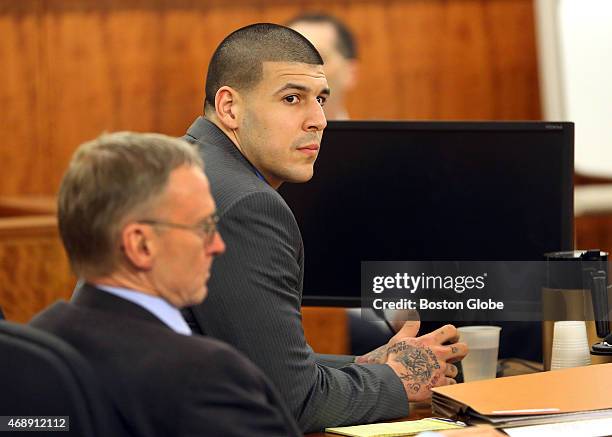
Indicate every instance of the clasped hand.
{"type": "Point", "coordinates": [420, 362]}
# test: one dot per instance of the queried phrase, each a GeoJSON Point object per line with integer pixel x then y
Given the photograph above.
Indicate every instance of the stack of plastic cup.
{"type": "Point", "coordinates": [570, 346]}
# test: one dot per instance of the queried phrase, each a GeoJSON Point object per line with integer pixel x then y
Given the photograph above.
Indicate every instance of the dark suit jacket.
{"type": "Point", "coordinates": [163, 383]}
{"type": "Point", "coordinates": [255, 299]}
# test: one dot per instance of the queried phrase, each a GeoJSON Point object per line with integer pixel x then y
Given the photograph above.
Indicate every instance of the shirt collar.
{"type": "Point", "coordinates": [159, 307]}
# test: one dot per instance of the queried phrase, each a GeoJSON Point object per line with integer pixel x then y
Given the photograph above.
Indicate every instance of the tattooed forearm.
{"type": "Point", "coordinates": [377, 356]}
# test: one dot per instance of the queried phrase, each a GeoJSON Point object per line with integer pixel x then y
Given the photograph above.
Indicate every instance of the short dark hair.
{"type": "Point", "coordinates": [345, 43]}
{"type": "Point", "coordinates": [238, 61]}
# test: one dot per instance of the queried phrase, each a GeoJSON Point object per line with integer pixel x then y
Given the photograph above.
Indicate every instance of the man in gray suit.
{"type": "Point", "coordinates": [262, 127]}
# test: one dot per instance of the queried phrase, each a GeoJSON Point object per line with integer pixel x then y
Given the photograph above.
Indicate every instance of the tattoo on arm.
{"type": "Point", "coordinates": [377, 356]}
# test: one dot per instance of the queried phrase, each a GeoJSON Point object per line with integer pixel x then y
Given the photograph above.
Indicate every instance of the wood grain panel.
{"type": "Point", "coordinates": [514, 73]}
{"type": "Point", "coordinates": [466, 84]}
{"type": "Point", "coordinates": [417, 60]}
{"type": "Point", "coordinates": [27, 205]}
{"type": "Point", "coordinates": [34, 273]}
{"type": "Point", "coordinates": [21, 76]}
{"type": "Point", "coordinates": [376, 95]}
{"type": "Point", "coordinates": [72, 69]}
{"type": "Point", "coordinates": [594, 232]}
{"type": "Point", "coordinates": [34, 270]}
{"type": "Point", "coordinates": [326, 329]}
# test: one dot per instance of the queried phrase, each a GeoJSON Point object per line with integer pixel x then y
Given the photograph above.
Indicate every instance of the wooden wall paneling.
{"type": "Point", "coordinates": [11, 206]}
{"type": "Point", "coordinates": [446, 60]}
{"type": "Point", "coordinates": [34, 270]}
{"type": "Point", "coordinates": [326, 329]}
{"type": "Point", "coordinates": [283, 12]}
{"type": "Point", "coordinates": [510, 26]}
{"type": "Point", "coordinates": [139, 68]}
{"type": "Point", "coordinates": [594, 232]}
{"type": "Point", "coordinates": [71, 69]}
{"type": "Point", "coordinates": [102, 75]}
{"type": "Point", "coordinates": [76, 68]}
{"type": "Point", "coordinates": [143, 67]}
{"type": "Point", "coordinates": [187, 46]}
{"type": "Point", "coordinates": [375, 96]}
{"type": "Point", "coordinates": [466, 89]}
{"type": "Point", "coordinates": [21, 74]}
{"type": "Point", "coordinates": [417, 58]}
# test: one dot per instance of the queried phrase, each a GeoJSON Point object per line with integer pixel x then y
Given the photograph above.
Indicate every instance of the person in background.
{"type": "Point", "coordinates": [139, 224]}
{"type": "Point", "coordinates": [338, 48]}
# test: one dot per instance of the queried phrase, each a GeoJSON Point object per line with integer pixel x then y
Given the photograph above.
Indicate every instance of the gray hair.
{"type": "Point", "coordinates": [110, 179]}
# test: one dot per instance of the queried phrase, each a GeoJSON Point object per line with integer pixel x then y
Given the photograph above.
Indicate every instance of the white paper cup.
{"type": "Point", "coordinates": [570, 345]}
{"type": "Point", "coordinates": [483, 343]}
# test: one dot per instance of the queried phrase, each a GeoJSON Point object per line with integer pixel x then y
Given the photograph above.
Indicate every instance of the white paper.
{"type": "Point", "coordinates": [582, 428]}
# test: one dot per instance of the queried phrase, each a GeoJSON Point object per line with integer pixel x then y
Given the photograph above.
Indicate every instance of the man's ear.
{"type": "Point", "coordinates": [228, 105]}
{"type": "Point", "coordinates": [139, 245]}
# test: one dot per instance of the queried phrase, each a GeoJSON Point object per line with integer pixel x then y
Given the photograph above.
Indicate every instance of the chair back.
{"type": "Point", "coordinates": [41, 375]}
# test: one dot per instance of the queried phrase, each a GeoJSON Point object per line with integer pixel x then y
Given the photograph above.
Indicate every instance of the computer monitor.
{"type": "Point", "coordinates": [399, 191]}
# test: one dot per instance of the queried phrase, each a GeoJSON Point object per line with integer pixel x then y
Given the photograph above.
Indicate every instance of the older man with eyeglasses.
{"type": "Point", "coordinates": [138, 222]}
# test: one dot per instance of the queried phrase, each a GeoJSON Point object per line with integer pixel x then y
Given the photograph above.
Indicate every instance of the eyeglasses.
{"type": "Point", "coordinates": [206, 228]}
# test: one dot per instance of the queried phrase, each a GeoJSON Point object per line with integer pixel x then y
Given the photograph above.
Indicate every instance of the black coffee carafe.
{"type": "Point", "coordinates": [577, 289]}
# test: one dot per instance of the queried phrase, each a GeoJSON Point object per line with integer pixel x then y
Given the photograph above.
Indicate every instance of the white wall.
{"type": "Point", "coordinates": [575, 54]}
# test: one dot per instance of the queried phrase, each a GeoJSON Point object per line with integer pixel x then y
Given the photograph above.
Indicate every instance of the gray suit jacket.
{"type": "Point", "coordinates": [255, 294]}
